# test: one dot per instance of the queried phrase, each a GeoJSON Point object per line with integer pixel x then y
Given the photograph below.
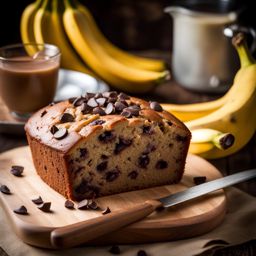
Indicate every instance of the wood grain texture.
{"type": "Point", "coordinates": [187, 220]}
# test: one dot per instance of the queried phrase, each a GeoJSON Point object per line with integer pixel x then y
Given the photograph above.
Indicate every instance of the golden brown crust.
{"type": "Point", "coordinates": [39, 125]}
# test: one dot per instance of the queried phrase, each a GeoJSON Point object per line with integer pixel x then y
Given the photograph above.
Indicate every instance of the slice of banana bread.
{"type": "Point", "coordinates": [102, 144]}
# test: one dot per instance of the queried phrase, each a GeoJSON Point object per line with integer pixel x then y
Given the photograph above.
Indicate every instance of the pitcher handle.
{"type": "Point", "coordinates": [231, 30]}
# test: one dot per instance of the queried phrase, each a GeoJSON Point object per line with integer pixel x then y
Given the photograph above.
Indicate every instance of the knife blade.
{"type": "Point", "coordinates": [84, 231]}
{"type": "Point", "coordinates": [208, 187]}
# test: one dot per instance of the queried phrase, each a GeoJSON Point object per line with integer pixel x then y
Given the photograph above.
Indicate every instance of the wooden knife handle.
{"type": "Point", "coordinates": [88, 230]}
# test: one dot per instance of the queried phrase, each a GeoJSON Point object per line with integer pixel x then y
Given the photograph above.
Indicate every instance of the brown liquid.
{"type": "Point", "coordinates": [28, 85]}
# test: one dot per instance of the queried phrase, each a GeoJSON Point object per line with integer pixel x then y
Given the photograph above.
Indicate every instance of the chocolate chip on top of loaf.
{"type": "Point", "coordinates": [106, 143]}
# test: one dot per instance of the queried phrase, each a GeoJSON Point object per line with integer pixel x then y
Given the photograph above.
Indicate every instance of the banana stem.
{"type": "Point", "coordinates": [240, 44]}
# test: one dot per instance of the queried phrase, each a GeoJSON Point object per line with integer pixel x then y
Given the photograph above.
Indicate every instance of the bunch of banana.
{"type": "Point", "coordinates": [235, 115]}
{"type": "Point", "coordinates": [70, 26]}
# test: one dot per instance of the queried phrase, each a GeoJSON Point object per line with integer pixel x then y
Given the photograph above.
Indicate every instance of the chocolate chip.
{"type": "Point", "coordinates": [22, 210]}
{"type": "Point", "coordinates": [123, 96]}
{"type": "Point", "coordinates": [133, 175]}
{"type": "Point", "coordinates": [98, 95]}
{"type": "Point", "coordinates": [98, 122]}
{"type": "Point", "coordinates": [69, 204]}
{"type": "Point", "coordinates": [122, 144]}
{"type": "Point", "coordinates": [93, 205]}
{"type": "Point", "coordinates": [199, 180]}
{"type": "Point", "coordinates": [126, 113]}
{"type": "Point", "coordinates": [115, 249]}
{"type": "Point", "coordinates": [143, 161]}
{"type": "Point", "coordinates": [83, 204]}
{"type": "Point", "coordinates": [161, 127]}
{"type": "Point", "coordinates": [146, 129]}
{"type": "Point", "coordinates": [161, 164]}
{"type": "Point", "coordinates": [107, 136]}
{"type": "Point", "coordinates": [4, 189]}
{"type": "Point", "coordinates": [89, 95]}
{"type": "Point", "coordinates": [92, 103]}
{"type": "Point", "coordinates": [45, 207]}
{"type": "Point", "coordinates": [101, 101]}
{"type": "Point", "coordinates": [169, 123]}
{"type": "Point", "coordinates": [54, 129]}
{"type": "Point", "coordinates": [71, 100]}
{"type": "Point", "coordinates": [150, 148]}
{"type": "Point", "coordinates": [112, 175]}
{"type": "Point", "coordinates": [85, 109]}
{"type": "Point", "coordinates": [181, 138]}
{"type": "Point", "coordinates": [38, 200]}
{"type": "Point", "coordinates": [79, 101]}
{"type": "Point", "coordinates": [131, 111]}
{"type": "Point", "coordinates": [60, 134]}
{"type": "Point", "coordinates": [43, 113]}
{"type": "Point", "coordinates": [102, 166]}
{"type": "Point", "coordinates": [106, 211]}
{"type": "Point", "coordinates": [17, 170]}
{"type": "Point", "coordinates": [83, 152]}
{"type": "Point", "coordinates": [66, 117]}
{"type": "Point", "coordinates": [156, 106]}
{"type": "Point", "coordinates": [110, 109]}
{"type": "Point", "coordinates": [141, 253]}
{"type": "Point", "coordinates": [119, 106]}
{"type": "Point", "coordinates": [98, 110]}
{"type": "Point", "coordinates": [111, 94]}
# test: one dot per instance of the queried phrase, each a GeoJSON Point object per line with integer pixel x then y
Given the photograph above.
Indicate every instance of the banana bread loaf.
{"type": "Point", "coordinates": [101, 144]}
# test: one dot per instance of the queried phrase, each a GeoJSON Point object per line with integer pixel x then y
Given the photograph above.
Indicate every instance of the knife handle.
{"type": "Point", "coordinates": [84, 231]}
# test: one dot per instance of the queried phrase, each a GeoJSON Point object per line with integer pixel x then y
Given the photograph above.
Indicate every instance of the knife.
{"type": "Point", "coordinates": [84, 231]}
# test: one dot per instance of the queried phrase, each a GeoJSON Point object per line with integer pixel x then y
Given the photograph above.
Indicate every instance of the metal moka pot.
{"type": "Point", "coordinates": [203, 58]}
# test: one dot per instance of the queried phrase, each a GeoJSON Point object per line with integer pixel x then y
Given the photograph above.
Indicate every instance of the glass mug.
{"type": "Point", "coordinates": [28, 77]}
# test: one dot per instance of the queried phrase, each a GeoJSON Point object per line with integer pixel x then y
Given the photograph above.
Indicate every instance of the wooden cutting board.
{"type": "Point", "coordinates": [183, 221]}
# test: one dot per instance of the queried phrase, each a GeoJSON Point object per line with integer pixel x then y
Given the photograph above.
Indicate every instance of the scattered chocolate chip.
{"type": "Point", "coordinates": [122, 144]}
{"type": "Point", "coordinates": [110, 109]}
{"type": "Point", "coordinates": [99, 110]}
{"type": "Point", "coordinates": [106, 211]}
{"type": "Point", "coordinates": [102, 166]}
{"type": "Point", "coordinates": [83, 152]}
{"type": "Point", "coordinates": [101, 101]}
{"type": "Point", "coordinates": [4, 189]}
{"type": "Point", "coordinates": [38, 200]}
{"type": "Point", "coordinates": [112, 175]}
{"type": "Point", "coordinates": [181, 138]}
{"type": "Point", "coordinates": [60, 134]}
{"type": "Point", "coordinates": [98, 95]}
{"type": "Point", "coordinates": [156, 106]}
{"type": "Point", "coordinates": [93, 205]}
{"type": "Point", "coordinates": [112, 94]}
{"type": "Point", "coordinates": [115, 249]}
{"type": "Point", "coordinates": [143, 161]}
{"type": "Point", "coordinates": [17, 170]}
{"type": "Point", "coordinates": [79, 101]}
{"type": "Point", "coordinates": [51, 104]}
{"type": "Point", "coordinates": [67, 117]}
{"type": "Point", "coordinates": [131, 111]}
{"type": "Point", "coordinates": [43, 113]}
{"type": "Point", "coordinates": [150, 148]}
{"type": "Point", "coordinates": [107, 136]}
{"type": "Point", "coordinates": [54, 129]}
{"type": "Point", "coordinates": [123, 96]}
{"type": "Point", "coordinates": [199, 180]}
{"type": "Point", "coordinates": [161, 164]}
{"type": "Point", "coordinates": [92, 103]}
{"type": "Point", "coordinates": [133, 175]}
{"type": "Point", "coordinates": [22, 210]}
{"type": "Point", "coordinates": [126, 113]}
{"type": "Point", "coordinates": [141, 253]}
{"type": "Point", "coordinates": [147, 129]}
{"type": "Point", "coordinates": [119, 106]}
{"type": "Point", "coordinates": [69, 204]}
{"type": "Point", "coordinates": [45, 207]}
{"type": "Point", "coordinates": [85, 109]}
{"type": "Point", "coordinates": [83, 204]}
{"type": "Point", "coordinates": [71, 100]}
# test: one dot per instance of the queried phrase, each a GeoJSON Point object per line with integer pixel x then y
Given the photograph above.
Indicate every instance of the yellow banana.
{"type": "Point", "coordinates": [118, 75]}
{"type": "Point", "coordinates": [236, 116]}
{"type": "Point", "coordinates": [115, 52]}
{"type": "Point", "coordinates": [48, 28]}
